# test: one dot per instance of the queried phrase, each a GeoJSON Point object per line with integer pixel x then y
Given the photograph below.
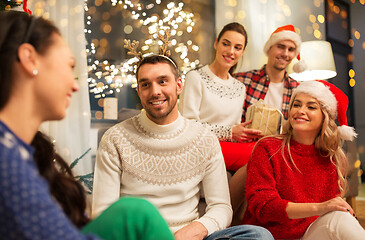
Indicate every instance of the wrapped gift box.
{"type": "Point", "coordinates": [264, 118]}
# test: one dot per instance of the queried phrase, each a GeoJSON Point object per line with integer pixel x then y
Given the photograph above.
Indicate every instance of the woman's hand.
{"type": "Point", "coordinates": [303, 210]}
{"type": "Point", "coordinates": [334, 204]}
{"type": "Point", "coordinates": [242, 134]}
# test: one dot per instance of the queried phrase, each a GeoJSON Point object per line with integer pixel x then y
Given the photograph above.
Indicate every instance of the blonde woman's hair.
{"type": "Point", "coordinates": [327, 142]}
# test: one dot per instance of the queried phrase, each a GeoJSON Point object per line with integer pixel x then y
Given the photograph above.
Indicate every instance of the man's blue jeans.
{"type": "Point", "coordinates": [243, 232]}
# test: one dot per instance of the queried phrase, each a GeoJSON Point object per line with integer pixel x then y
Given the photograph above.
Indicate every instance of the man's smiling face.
{"type": "Point", "coordinates": [158, 90]}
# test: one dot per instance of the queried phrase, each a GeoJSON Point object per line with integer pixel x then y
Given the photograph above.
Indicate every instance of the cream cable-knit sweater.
{"type": "Point", "coordinates": [169, 165]}
{"type": "Point", "coordinates": [211, 100]}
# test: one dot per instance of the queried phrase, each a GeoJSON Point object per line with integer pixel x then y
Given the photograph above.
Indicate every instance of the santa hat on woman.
{"type": "Point", "coordinates": [287, 32]}
{"type": "Point", "coordinates": [333, 100]}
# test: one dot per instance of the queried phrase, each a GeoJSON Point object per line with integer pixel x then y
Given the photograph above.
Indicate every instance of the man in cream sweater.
{"type": "Point", "coordinates": [167, 159]}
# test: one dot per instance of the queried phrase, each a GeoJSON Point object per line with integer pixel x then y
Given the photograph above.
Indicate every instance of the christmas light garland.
{"type": "Point", "coordinates": [106, 79]}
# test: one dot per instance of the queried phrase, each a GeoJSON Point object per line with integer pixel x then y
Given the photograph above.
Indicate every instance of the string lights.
{"type": "Point", "coordinates": [106, 79]}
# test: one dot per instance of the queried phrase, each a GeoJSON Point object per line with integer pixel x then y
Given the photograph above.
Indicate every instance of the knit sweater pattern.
{"type": "Point", "coordinates": [272, 183]}
{"type": "Point", "coordinates": [213, 101]}
{"type": "Point", "coordinates": [168, 165]}
{"type": "Point", "coordinates": [28, 211]}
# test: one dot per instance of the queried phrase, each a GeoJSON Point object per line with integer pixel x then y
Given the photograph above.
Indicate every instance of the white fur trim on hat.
{"type": "Point", "coordinates": [320, 92]}
{"type": "Point", "coordinates": [283, 35]}
{"type": "Point", "coordinates": [300, 66]}
{"type": "Point", "coordinates": [329, 96]}
{"type": "Point", "coordinates": [347, 132]}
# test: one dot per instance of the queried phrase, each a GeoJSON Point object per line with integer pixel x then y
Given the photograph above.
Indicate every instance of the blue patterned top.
{"type": "Point", "coordinates": [27, 210]}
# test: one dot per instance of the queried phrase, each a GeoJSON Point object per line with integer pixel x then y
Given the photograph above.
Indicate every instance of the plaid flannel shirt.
{"type": "Point", "coordinates": [257, 83]}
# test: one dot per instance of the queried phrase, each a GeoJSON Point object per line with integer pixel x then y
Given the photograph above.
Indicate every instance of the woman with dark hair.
{"type": "Point", "coordinates": [212, 96]}
{"type": "Point", "coordinates": [36, 84]}
{"type": "Point", "coordinates": [296, 180]}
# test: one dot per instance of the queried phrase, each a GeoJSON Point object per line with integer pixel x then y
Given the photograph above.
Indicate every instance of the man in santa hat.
{"type": "Point", "coordinates": [272, 83]}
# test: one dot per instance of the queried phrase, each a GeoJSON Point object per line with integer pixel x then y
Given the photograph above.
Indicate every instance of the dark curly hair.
{"type": "Point", "coordinates": [67, 191]}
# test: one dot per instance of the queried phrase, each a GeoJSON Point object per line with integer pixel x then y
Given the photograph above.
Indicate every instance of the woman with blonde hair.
{"type": "Point", "coordinates": [296, 180]}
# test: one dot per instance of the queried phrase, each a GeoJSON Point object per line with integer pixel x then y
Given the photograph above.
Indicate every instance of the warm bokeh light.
{"type": "Point", "coordinates": [315, 26]}
{"type": "Point", "coordinates": [352, 82]}
{"type": "Point", "coordinates": [317, 3]}
{"type": "Point", "coordinates": [229, 15]}
{"type": "Point", "coordinates": [336, 9]}
{"type": "Point", "coordinates": [357, 35]}
{"type": "Point", "coordinates": [106, 78]}
{"type": "Point", "coordinates": [103, 42]}
{"type": "Point", "coordinates": [317, 34]}
{"type": "Point", "coordinates": [312, 18]}
{"type": "Point", "coordinates": [297, 30]}
{"type": "Point", "coordinates": [350, 57]}
{"type": "Point", "coordinates": [351, 42]}
{"type": "Point", "coordinates": [100, 85]}
{"type": "Point", "coordinates": [241, 14]}
{"type": "Point", "coordinates": [107, 28]}
{"type": "Point", "coordinates": [360, 172]}
{"type": "Point", "coordinates": [105, 16]}
{"type": "Point", "coordinates": [232, 3]}
{"type": "Point", "coordinates": [101, 102]}
{"type": "Point", "coordinates": [95, 42]}
{"type": "Point", "coordinates": [357, 163]}
{"type": "Point", "coordinates": [128, 29]}
{"type": "Point", "coordinates": [99, 115]}
{"type": "Point", "coordinates": [321, 18]}
{"type": "Point", "coordinates": [361, 149]}
{"type": "Point", "coordinates": [286, 10]}
{"type": "Point", "coordinates": [98, 3]}
{"type": "Point", "coordinates": [343, 14]}
{"type": "Point", "coordinates": [351, 73]}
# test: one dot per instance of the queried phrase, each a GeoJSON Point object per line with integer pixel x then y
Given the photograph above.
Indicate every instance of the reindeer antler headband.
{"type": "Point", "coordinates": [132, 47]}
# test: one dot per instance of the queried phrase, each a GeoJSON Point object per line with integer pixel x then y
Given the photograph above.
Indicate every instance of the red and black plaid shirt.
{"type": "Point", "coordinates": [257, 83]}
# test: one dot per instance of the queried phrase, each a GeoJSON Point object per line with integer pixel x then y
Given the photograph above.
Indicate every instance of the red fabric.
{"type": "Point", "coordinates": [271, 184]}
{"type": "Point", "coordinates": [284, 28]}
{"type": "Point", "coordinates": [236, 155]}
{"type": "Point", "coordinates": [342, 102]}
{"type": "Point", "coordinates": [25, 7]}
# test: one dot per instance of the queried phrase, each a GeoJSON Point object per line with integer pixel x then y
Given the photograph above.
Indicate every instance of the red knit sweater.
{"type": "Point", "coordinates": [271, 184]}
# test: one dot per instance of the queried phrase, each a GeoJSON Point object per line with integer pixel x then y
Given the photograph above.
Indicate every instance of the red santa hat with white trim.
{"type": "Point", "coordinates": [287, 32]}
{"type": "Point", "coordinates": [333, 100]}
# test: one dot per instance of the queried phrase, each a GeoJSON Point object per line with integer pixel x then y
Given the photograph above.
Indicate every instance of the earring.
{"type": "Point", "coordinates": [35, 72]}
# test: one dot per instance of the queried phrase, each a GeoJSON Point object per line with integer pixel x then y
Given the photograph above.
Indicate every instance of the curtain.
{"type": "Point", "coordinates": [71, 134]}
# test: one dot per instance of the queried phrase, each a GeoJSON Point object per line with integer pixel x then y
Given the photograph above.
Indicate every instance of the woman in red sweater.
{"type": "Point", "coordinates": [296, 180]}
